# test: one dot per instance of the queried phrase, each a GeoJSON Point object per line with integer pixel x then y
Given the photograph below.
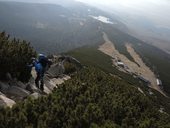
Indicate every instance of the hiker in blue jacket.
{"type": "Point", "coordinates": [41, 65]}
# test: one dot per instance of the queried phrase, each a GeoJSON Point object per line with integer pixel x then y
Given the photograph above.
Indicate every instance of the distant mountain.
{"type": "Point", "coordinates": [54, 26]}
{"type": "Point", "coordinates": [145, 29]}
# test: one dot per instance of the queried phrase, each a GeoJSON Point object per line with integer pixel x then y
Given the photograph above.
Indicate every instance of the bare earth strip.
{"type": "Point", "coordinates": [144, 71]}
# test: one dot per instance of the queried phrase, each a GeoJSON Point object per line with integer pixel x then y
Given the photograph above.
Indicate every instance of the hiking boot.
{"type": "Point", "coordinates": [37, 84]}
{"type": "Point", "coordinates": [42, 87]}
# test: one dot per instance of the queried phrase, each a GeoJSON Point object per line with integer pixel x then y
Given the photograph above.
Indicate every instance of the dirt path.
{"type": "Point", "coordinates": [109, 49]}
{"type": "Point", "coordinates": [142, 70]}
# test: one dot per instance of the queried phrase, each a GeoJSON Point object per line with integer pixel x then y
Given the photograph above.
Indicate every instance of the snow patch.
{"type": "Point", "coordinates": [103, 19]}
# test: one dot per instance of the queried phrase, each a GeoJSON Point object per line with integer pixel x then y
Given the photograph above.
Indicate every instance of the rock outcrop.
{"type": "Point", "coordinates": [5, 101]}
{"type": "Point", "coordinates": [13, 90]}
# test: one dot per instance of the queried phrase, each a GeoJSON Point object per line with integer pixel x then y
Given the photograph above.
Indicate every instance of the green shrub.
{"type": "Point", "coordinates": [14, 56]}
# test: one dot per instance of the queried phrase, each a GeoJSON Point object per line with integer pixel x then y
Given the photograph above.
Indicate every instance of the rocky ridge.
{"type": "Point", "coordinates": [12, 90]}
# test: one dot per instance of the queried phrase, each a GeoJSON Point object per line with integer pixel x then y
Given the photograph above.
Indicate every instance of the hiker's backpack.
{"type": "Point", "coordinates": [44, 61]}
{"type": "Point", "coordinates": [38, 68]}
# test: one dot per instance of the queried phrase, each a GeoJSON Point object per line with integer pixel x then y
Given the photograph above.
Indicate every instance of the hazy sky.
{"type": "Point", "coordinates": [127, 3]}
{"type": "Point", "coordinates": [156, 10]}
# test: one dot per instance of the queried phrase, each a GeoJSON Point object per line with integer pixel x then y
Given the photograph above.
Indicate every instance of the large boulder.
{"type": "Point", "coordinates": [47, 90]}
{"type": "Point", "coordinates": [17, 83]}
{"type": "Point", "coordinates": [35, 95]}
{"type": "Point", "coordinates": [21, 85]}
{"type": "Point", "coordinates": [57, 81]}
{"type": "Point", "coordinates": [31, 87]}
{"type": "Point", "coordinates": [5, 101]}
{"type": "Point", "coordinates": [48, 83]}
{"type": "Point", "coordinates": [56, 70]}
{"type": "Point", "coordinates": [17, 91]}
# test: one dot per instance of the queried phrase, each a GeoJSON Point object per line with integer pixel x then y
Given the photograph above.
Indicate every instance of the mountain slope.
{"type": "Point", "coordinates": [91, 98]}
{"type": "Point", "coordinates": [91, 56]}
{"type": "Point", "coordinates": [156, 59]}
{"type": "Point", "coordinates": [62, 28]}
{"type": "Point", "coordinates": [98, 95]}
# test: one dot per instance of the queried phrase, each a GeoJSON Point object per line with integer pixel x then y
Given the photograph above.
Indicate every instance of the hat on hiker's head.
{"type": "Point", "coordinates": [39, 55]}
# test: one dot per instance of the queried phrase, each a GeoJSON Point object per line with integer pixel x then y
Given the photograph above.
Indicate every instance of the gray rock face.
{"type": "Point", "coordinates": [8, 76]}
{"type": "Point", "coordinates": [4, 101]}
{"type": "Point", "coordinates": [21, 85]}
{"type": "Point", "coordinates": [17, 91]}
{"type": "Point", "coordinates": [4, 86]}
{"type": "Point", "coordinates": [56, 70]}
{"type": "Point", "coordinates": [35, 95]}
{"type": "Point", "coordinates": [48, 83]}
{"type": "Point", "coordinates": [31, 87]}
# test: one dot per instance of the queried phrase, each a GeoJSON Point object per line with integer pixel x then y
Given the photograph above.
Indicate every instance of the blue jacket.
{"type": "Point", "coordinates": [38, 67]}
